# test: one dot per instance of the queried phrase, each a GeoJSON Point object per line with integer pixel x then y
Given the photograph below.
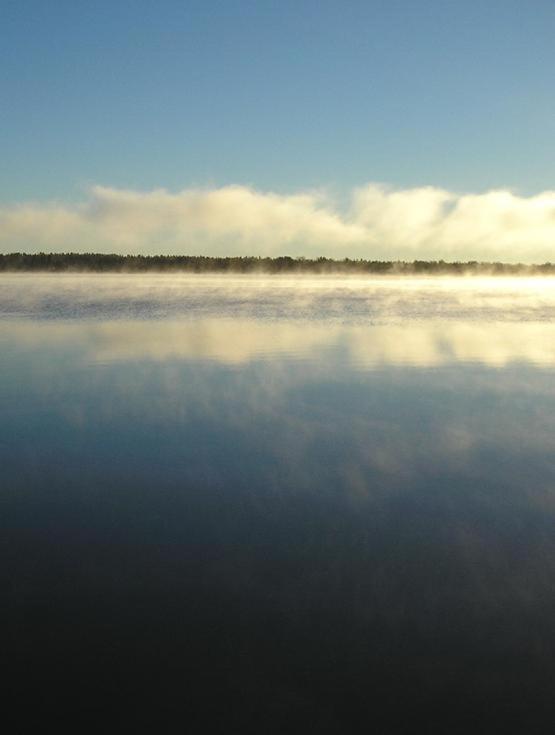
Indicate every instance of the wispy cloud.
{"type": "Point", "coordinates": [379, 222]}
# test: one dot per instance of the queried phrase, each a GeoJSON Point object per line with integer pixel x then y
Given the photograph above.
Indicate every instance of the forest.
{"type": "Point", "coordinates": [99, 262]}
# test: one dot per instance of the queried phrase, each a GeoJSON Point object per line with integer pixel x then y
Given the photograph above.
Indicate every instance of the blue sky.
{"type": "Point", "coordinates": [278, 95]}
{"type": "Point", "coordinates": [283, 97]}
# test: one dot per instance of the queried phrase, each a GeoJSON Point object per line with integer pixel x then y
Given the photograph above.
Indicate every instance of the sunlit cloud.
{"type": "Point", "coordinates": [378, 222]}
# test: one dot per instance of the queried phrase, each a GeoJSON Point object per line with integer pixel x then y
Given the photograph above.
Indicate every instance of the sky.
{"type": "Point", "coordinates": [361, 129]}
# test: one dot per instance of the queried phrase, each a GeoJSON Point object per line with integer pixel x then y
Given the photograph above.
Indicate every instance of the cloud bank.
{"type": "Point", "coordinates": [378, 223]}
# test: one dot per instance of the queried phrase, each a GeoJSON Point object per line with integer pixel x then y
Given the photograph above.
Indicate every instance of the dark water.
{"type": "Point", "coordinates": [325, 506]}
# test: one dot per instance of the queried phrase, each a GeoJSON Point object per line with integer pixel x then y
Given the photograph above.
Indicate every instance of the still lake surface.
{"type": "Point", "coordinates": [259, 503]}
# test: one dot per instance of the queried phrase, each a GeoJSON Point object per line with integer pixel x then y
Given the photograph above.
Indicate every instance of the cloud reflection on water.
{"type": "Point", "coordinates": [241, 341]}
{"type": "Point", "coordinates": [276, 476]}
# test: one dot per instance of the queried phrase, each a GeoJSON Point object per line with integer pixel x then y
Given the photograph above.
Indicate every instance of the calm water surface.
{"type": "Point", "coordinates": [264, 504]}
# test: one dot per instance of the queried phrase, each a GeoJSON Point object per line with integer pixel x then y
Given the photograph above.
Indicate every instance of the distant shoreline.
{"type": "Point", "coordinates": [105, 263]}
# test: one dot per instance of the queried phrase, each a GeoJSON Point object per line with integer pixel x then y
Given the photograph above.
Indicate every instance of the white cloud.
{"type": "Point", "coordinates": [380, 223]}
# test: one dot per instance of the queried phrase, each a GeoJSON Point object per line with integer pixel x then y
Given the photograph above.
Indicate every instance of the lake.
{"type": "Point", "coordinates": [267, 503]}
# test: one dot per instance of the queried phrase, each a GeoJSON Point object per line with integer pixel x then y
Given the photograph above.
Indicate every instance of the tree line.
{"type": "Point", "coordinates": [99, 262]}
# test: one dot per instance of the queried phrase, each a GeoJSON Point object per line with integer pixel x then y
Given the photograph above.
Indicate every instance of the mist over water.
{"type": "Point", "coordinates": [347, 299]}
{"type": "Point", "coordinates": [265, 503]}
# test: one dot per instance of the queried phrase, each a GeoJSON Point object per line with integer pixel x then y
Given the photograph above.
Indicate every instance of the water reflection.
{"type": "Point", "coordinates": [238, 342]}
{"type": "Point", "coordinates": [261, 523]}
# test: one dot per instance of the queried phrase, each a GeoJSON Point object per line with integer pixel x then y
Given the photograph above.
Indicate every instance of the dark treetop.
{"type": "Point", "coordinates": [251, 264]}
